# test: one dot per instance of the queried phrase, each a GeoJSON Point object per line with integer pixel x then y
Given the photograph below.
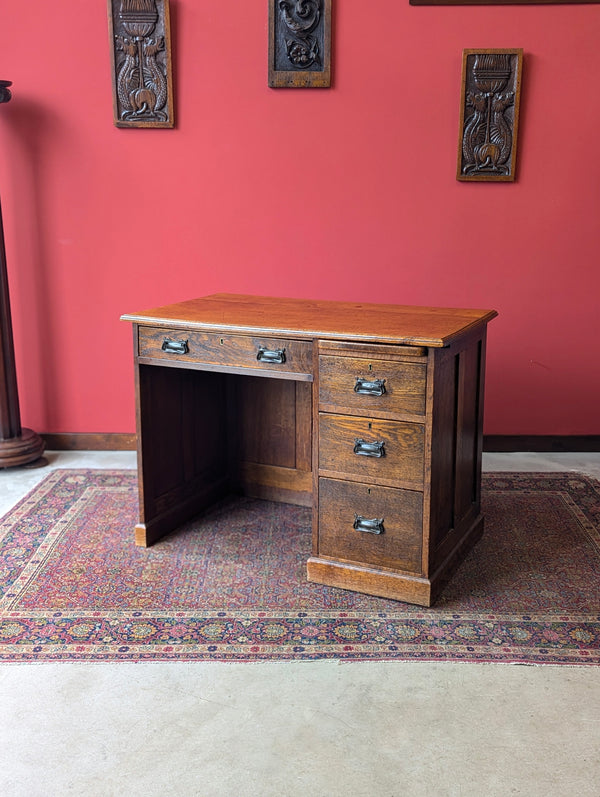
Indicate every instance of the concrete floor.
{"type": "Point", "coordinates": [297, 728]}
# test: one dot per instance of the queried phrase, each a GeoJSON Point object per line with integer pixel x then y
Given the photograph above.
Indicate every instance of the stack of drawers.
{"type": "Point", "coordinates": [371, 457]}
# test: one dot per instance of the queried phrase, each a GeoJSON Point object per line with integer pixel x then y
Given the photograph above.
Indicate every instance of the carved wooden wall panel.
{"type": "Point", "coordinates": [140, 38]}
{"type": "Point", "coordinates": [300, 43]}
{"type": "Point", "coordinates": [489, 114]}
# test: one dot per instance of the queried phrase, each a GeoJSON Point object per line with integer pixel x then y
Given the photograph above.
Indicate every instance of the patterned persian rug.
{"type": "Point", "coordinates": [231, 585]}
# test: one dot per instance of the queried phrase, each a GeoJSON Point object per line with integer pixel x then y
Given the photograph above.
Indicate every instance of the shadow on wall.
{"type": "Point", "coordinates": [25, 125]}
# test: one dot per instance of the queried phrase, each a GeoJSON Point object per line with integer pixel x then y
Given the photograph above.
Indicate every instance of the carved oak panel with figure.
{"type": "Point", "coordinates": [491, 90]}
{"type": "Point", "coordinates": [140, 35]}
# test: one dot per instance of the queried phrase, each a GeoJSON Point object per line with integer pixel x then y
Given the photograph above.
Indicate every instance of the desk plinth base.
{"type": "Point", "coordinates": [151, 529]}
{"type": "Point", "coordinates": [27, 447]}
{"type": "Point", "coordinates": [381, 583]}
{"type": "Point", "coordinates": [389, 584]}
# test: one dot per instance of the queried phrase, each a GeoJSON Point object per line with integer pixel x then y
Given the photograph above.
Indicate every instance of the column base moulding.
{"type": "Point", "coordinates": [27, 448]}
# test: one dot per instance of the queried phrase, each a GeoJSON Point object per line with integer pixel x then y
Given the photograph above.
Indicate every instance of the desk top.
{"type": "Point", "coordinates": [304, 318]}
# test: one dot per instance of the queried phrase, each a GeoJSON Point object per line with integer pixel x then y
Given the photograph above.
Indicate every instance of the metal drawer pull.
{"type": "Point", "coordinates": [366, 387]}
{"type": "Point", "coordinates": [364, 449]}
{"type": "Point", "coordinates": [271, 356]}
{"type": "Point", "coordinates": [175, 346]}
{"type": "Point", "coordinates": [369, 525]}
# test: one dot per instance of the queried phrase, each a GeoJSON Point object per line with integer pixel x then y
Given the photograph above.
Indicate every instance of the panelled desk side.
{"type": "Point", "coordinates": [371, 414]}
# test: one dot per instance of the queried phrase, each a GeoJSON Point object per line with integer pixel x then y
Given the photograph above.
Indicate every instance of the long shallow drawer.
{"type": "Point", "coordinates": [389, 452]}
{"type": "Point", "coordinates": [235, 351]}
{"type": "Point", "coordinates": [377, 526]}
{"type": "Point", "coordinates": [372, 385]}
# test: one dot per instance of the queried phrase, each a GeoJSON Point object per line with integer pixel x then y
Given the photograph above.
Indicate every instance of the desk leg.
{"type": "Point", "coordinates": [182, 447]}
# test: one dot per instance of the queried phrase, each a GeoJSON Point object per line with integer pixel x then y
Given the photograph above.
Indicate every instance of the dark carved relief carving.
{"type": "Point", "coordinates": [299, 43]}
{"type": "Point", "coordinates": [491, 89]}
{"type": "Point", "coordinates": [300, 20]}
{"type": "Point", "coordinates": [5, 94]}
{"type": "Point", "coordinates": [141, 58]}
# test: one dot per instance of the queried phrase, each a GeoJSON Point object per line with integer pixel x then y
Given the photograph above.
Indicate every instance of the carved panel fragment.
{"type": "Point", "coordinates": [489, 114]}
{"type": "Point", "coordinates": [300, 43]}
{"type": "Point", "coordinates": [140, 39]}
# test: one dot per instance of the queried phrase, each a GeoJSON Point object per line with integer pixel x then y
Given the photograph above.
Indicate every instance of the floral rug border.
{"type": "Point", "coordinates": [243, 635]}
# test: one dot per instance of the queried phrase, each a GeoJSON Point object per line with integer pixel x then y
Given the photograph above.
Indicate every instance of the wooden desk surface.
{"type": "Point", "coordinates": [302, 318]}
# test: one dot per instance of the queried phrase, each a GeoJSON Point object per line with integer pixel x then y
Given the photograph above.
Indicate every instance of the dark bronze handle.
{"type": "Point", "coordinates": [364, 449]}
{"type": "Point", "coordinates": [376, 387]}
{"type": "Point", "coordinates": [175, 346]}
{"type": "Point", "coordinates": [271, 355]}
{"type": "Point", "coordinates": [369, 525]}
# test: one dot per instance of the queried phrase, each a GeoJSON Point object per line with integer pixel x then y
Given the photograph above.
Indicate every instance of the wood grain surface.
{"type": "Point", "coordinates": [424, 326]}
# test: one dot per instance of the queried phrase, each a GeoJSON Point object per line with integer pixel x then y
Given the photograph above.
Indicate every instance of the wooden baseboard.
{"type": "Point", "coordinates": [90, 442]}
{"type": "Point", "coordinates": [491, 443]}
{"type": "Point", "coordinates": [541, 443]}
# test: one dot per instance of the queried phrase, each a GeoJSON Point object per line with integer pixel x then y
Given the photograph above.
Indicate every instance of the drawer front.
{"type": "Point", "coordinates": [396, 514]}
{"type": "Point", "coordinates": [238, 351]}
{"type": "Point", "coordinates": [383, 450]}
{"type": "Point", "coordinates": [372, 386]}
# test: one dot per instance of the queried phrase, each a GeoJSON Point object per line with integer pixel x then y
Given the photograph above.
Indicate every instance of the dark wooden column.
{"type": "Point", "coordinates": [18, 446]}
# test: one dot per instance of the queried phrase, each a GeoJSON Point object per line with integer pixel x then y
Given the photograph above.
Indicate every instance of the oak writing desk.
{"type": "Point", "coordinates": [370, 414]}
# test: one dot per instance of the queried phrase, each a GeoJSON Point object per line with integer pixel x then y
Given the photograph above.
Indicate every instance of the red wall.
{"type": "Point", "coordinates": [345, 193]}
